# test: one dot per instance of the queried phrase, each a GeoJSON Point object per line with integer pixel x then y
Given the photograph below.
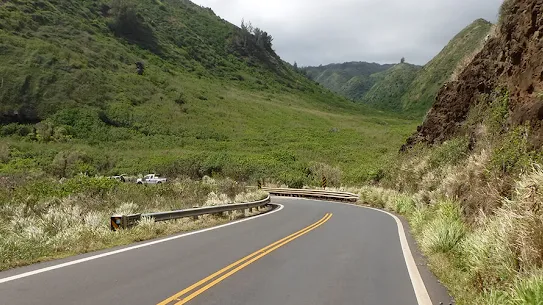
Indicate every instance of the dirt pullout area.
{"type": "Point", "coordinates": [511, 59]}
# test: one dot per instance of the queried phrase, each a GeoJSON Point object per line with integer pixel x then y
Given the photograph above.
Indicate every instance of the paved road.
{"type": "Point", "coordinates": [328, 253]}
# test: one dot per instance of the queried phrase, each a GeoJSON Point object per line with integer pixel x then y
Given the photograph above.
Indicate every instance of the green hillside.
{"type": "Point", "coordinates": [380, 86]}
{"type": "Point", "coordinates": [390, 86]}
{"type": "Point", "coordinates": [350, 79]}
{"type": "Point", "coordinates": [414, 90]}
{"type": "Point", "coordinates": [68, 54]}
{"type": "Point", "coordinates": [214, 99]}
{"type": "Point", "coordinates": [422, 92]}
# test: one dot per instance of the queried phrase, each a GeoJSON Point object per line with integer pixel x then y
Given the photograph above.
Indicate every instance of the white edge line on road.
{"type": "Point", "coordinates": [423, 298]}
{"type": "Point", "coordinates": [90, 258]}
{"type": "Point", "coordinates": [421, 293]}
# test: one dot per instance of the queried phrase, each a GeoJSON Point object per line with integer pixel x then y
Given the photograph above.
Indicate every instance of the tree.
{"type": "Point", "coordinates": [246, 33]}
{"type": "Point", "coordinates": [253, 39]}
{"type": "Point", "coordinates": [127, 22]}
{"type": "Point", "coordinates": [296, 66]}
{"type": "Point", "coordinates": [402, 60]}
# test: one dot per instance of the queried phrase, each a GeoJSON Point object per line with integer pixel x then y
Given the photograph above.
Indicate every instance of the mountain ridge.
{"type": "Point", "coordinates": [418, 90]}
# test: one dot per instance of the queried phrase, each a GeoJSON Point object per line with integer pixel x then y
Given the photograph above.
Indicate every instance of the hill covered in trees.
{"type": "Point", "coordinates": [125, 86]}
{"type": "Point", "coordinates": [350, 79]}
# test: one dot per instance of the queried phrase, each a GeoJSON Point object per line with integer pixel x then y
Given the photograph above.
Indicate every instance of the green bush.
{"type": "Point", "coordinates": [293, 180]}
{"type": "Point", "coordinates": [512, 155]}
{"type": "Point", "coordinates": [445, 230]}
{"type": "Point", "coordinates": [405, 205]}
{"type": "Point", "coordinates": [71, 163]}
{"type": "Point", "coordinates": [498, 112]}
{"type": "Point", "coordinates": [318, 171]}
{"type": "Point", "coordinates": [528, 291]}
{"type": "Point", "coordinates": [449, 153]}
{"type": "Point", "coordinates": [130, 24]}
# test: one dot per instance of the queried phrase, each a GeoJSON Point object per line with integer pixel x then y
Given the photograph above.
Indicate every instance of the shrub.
{"type": "Point", "coordinates": [293, 180]}
{"type": "Point", "coordinates": [449, 153]}
{"type": "Point", "coordinates": [4, 153]}
{"type": "Point", "coordinates": [181, 99]}
{"type": "Point", "coordinates": [319, 170]}
{"type": "Point", "coordinates": [9, 129]}
{"type": "Point", "coordinates": [45, 131]}
{"type": "Point", "coordinates": [528, 290]}
{"type": "Point", "coordinates": [499, 111]}
{"type": "Point", "coordinates": [230, 187]}
{"type": "Point", "coordinates": [130, 24]}
{"type": "Point", "coordinates": [71, 163]}
{"type": "Point", "coordinates": [405, 205]}
{"type": "Point", "coordinates": [512, 155]}
{"type": "Point", "coordinates": [445, 230]}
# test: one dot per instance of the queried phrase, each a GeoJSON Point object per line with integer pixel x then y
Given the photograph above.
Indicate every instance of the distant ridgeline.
{"type": "Point", "coordinates": [402, 87]}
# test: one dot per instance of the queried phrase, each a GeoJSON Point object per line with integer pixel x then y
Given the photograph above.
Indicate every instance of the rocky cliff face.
{"type": "Point", "coordinates": [511, 59]}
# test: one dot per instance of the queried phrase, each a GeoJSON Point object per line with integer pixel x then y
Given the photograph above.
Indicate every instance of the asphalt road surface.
{"type": "Point", "coordinates": [306, 252]}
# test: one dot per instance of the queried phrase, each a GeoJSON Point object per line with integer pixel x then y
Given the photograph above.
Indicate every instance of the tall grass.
{"type": "Point", "coordinates": [495, 261]}
{"type": "Point", "coordinates": [58, 219]}
{"type": "Point", "coordinates": [475, 207]}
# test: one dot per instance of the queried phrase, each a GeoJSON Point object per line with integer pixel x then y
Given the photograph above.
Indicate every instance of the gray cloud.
{"type": "Point", "coordinates": [313, 32]}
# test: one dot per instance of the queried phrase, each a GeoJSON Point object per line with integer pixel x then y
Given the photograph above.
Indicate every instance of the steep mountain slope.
{"type": "Point", "coordinates": [510, 64]}
{"type": "Point", "coordinates": [212, 98]}
{"type": "Point", "coordinates": [410, 93]}
{"type": "Point", "coordinates": [390, 86]}
{"type": "Point", "coordinates": [350, 79]}
{"type": "Point", "coordinates": [47, 44]}
{"type": "Point", "coordinates": [473, 170]}
{"type": "Point", "coordinates": [422, 92]}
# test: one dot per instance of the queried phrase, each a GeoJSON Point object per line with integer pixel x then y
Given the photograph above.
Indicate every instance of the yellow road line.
{"type": "Point", "coordinates": [240, 263]}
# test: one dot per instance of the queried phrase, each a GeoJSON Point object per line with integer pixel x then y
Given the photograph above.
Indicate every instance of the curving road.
{"type": "Point", "coordinates": [306, 252]}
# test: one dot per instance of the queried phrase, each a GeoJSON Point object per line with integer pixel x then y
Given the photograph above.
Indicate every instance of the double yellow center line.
{"type": "Point", "coordinates": [189, 293]}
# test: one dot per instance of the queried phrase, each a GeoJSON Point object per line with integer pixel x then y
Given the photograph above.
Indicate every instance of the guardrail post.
{"type": "Point", "coordinates": [124, 222]}
{"type": "Point", "coordinates": [116, 222]}
{"type": "Point", "coordinates": [195, 217]}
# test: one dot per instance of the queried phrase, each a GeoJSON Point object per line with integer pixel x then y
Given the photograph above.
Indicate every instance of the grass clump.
{"type": "Point", "coordinates": [443, 233]}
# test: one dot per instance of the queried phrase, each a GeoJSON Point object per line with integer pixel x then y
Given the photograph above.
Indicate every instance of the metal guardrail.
{"type": "Point", "coordinates": [127, 221]}
{"type": "Point", "coordinates": [318, 194]}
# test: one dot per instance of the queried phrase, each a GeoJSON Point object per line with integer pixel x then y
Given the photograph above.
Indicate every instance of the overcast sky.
{"type": "Point", "coordinates": [313, 32]}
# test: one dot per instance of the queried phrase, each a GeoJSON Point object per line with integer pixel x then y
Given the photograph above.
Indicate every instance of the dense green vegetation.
{"type": "Point", "coordinates": [403, 88]}
{"type": "Point", "coordinates": [350, 79]}
{"type": "Point", "coordinates": [213, 99]}
{"type": "Point", "coordinates": [390, 86]}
